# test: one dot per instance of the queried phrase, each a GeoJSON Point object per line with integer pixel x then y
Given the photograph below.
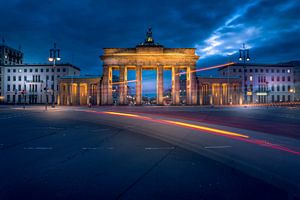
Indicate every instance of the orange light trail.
{"type": "Point", "coordinates": [207, 68]}
{"type": "Point", "coordinates": [123, 82]}
{"type": "Point", "coordinates": [229, 134]}
{"type": "Point", "coordinates": [207, 129]}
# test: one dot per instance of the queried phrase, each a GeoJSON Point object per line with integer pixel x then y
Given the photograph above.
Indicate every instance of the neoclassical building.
{"type": "Point", "coordinates": [148, 55]}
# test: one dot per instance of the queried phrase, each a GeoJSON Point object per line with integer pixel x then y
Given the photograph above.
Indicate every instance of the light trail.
{"type": "Point", "coordinates": [123, 82]}
{"type": "Point", "coordinates": [203, 128]}
{"type": "Point", "coordinates": [228, 134]}
{"type": "Point", "coordinates": [207, 68]}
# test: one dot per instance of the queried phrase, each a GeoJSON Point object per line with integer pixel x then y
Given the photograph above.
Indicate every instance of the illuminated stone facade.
{"type": "Point", "coordinates": [149, 56]}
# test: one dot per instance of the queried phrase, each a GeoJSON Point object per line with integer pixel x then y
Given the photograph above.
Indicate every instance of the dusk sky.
{"type": "Point", "coordinates": [216, 28]}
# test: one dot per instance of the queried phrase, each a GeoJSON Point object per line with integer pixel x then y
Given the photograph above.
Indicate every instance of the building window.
{"type": "Point", "coordinates": [251, 78]}
{"type": "Point", "coordinates": [58, 70]}
{"type": "Point", "coordinates": [261, 70]}
{"type": "Point", "coordinates": [64, 70]}
{"type": "Point", "coordinates": [52, 69]}
{"type": "Point", "coordinates": [278, 78]}
{"type": "Point", "coordinates": [30, 70]}
{"type": "Point", "coordinates": [20, 78]}
{"type": "Point", "coordinates": [250, 70]}
{"type": "Point", "coordinates": [14, 87]}
{"type": "Point", "coordinates": [8, 78]}
{"type": "Point", "coordinates": [289, 88]}
{"type": "Point", "coordinates": [283, 71]}
{"type": "Point", "coordinates": [36, 70]}
{"type": "Point", "coordinates": [272, 78]}
{"type": "Point", "coordinates": [267, 70]}
{"type": "Point", "coordinates": [25, 78]}
{"type": "Point", "coordinates": [52, 78]}
{"type": "Point", "coordinates": [14, 70]}
{"type": "Point", "coordinates": [240, 70]}
{"type": "Point", "coordinates": [47, 70]}
{"type": "Point", "coordinates": [283, 78]}
{"type": "Point", "coordinates": [272, 70]}
{"type": "Point", "coordinates": [8, 98]}
{"type": "Point", "coordinates": [283, 98]}
{"type": "Point", "coordinates": [245, 70]}
{"type": "Point", "coordinates": [8, 70]}
{"type": "Point", "coordinates": [289, 78]}
{"type": "Point", "coordinates": [283, 88]}
{"type": "Point", "coordinates": [14, 78]}
{"type": "Point", "coordinates": [256, 70]}
{"type": "Point", "coordinates": [278, 98]}
{"type": "Point", "coordinates": [278, 88]}
{"type": "Point", "coordinates": [273, 99]}
{"type": "Point", "coordinates": [289, 98]}
{"type": "Point", "coordinates": [8, 88]}
{"type": "Point", "coordinates": [272, 88]}
{"type": "Point", "coordinates": [42, 70]}
{"type": "Point", "coordinates": [25, 70]}
{"type": "Point", "coordinates": [19, 87]}
{"type": "Point", "coordinates": [47, 77]}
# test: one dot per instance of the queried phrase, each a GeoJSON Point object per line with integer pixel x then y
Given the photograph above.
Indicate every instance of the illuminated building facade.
{"type": "Point", "coordinates": [8, 56]}
{"type": "Point", "coordinates": [264, 83]}
{"type": "Point", "coordinates": [220, 90]}
{"type": "Point", "coordinates": [149, 56]}
{"type": "Point", "coordinates": [33, 83]}
{"type": "Point", "coordinates": [79, 90]}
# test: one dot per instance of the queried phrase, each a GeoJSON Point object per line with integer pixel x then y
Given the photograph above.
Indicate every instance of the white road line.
{"type": "Point", "coordinates": [217, 147]}
{"type": "Point", "coordinates": [158, 148]}
{"type": "Point", "coordinates": [88, 148]}
{"type": "Point", "coordinates": [38, 148]}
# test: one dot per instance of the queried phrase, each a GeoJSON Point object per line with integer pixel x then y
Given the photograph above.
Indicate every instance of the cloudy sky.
{"type": "Point", "coordinates": [81, 28]}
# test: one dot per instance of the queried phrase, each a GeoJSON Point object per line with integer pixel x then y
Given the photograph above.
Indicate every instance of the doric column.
{"type": "Point", "coordinates": [88, 93]}
{"type": "Point", "coordinates": [221, 94]}
{"type": "Point", "coordinates": [191, 86]}
{"type": "Point", "coordinates": [60, 94]}
{"type": "Point", "coordinates": [78, 94]}
{"type": "Point", "coordinates": [68, 94]}
{"type": "Point", "coordinates": [98, 89]}
{"type": "Point", "coordinates": [175, 86]}
{"type": "Point", "coordinates": [71, 94]}
{"type": "Point", "coordinates": [107, 86]}
{"type": "Point", "coordinates": [138, 73]}
{"type": "Point", "coordinates": [123, 85]}
{"type": "Point", "coordinates": [210, 93]}
{"type": "Point", "coordinates": [160, 85]}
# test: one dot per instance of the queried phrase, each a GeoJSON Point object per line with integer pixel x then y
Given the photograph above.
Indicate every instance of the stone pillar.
{"type": "Point", "coordinates": [98, 93]}
{"type": "Point", "coordinates": [71, 94]}
{"type": "Point", "coordinates": [68, 94]}
{"type": "Point", "coordinates": [221, 94]}
{"type": "Point", "coordinates": [78, 94]}
{"type": "Point", "coordinates": [138, 90]}
{"type": "Point", "coordinates": [193, 85]}
{"type": "Point", "coordinates": [88, 93]}
{"type": "Point", "coordinates": [123, 85]}
{"type": "Point", "coordinates": [107, 86]}
{"type": "Point", "coordinates": [175, 86]}
{"type": "Point", "coordinates": [210, 93]}
{"type": "Point", "coordinates": [160, 85]}
{"type": "Point", "coordinates": [60, 94]}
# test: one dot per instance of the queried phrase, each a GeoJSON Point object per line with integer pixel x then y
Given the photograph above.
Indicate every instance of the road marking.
{"type": "Point", "coordinates": [89, 148]}
{"type": "Point", "coordinates": [158, 148]}
{"type": "Point", "coordinates": [217, 147]}
{"type": "Point", "coordinates": [38, 148]}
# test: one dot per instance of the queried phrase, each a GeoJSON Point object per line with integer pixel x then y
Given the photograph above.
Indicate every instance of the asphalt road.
{"type": "Point", "coordinates": [77, 154]}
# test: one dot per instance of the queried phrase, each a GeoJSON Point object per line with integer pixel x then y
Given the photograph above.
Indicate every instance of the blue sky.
{"type": "Point", "coordinates": [81, 28]}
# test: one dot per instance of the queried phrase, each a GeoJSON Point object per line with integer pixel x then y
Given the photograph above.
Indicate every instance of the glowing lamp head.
{"type": "Point", "coordinates": [248, 59]}
{"type": "Point", "coordinates": [50, 59]}
{"type": "Point", "coordinates": [58, 59]}
{"type": "Point", "coordinates": [240, 59]}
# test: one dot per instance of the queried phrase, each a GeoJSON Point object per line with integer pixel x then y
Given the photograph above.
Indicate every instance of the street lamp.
{"type": "Point", "coordinates": [244, 56]}
{"type": "Point", "coordinates": [54, 57]}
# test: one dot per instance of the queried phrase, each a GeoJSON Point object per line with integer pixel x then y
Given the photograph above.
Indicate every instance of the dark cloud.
{"type": "Point", "coordinates": [82, 28]}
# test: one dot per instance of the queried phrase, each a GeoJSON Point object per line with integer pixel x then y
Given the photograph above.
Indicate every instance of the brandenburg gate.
{"type": "Point", "coordinates": [149, 56]}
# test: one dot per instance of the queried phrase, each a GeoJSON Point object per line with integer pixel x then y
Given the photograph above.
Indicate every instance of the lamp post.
{"type": "Point", "coordinates": [54, 57]}
{"type": "Point", "coordinates": [244, 56]}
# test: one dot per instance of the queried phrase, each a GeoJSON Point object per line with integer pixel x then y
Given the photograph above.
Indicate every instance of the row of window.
{"type": "Point", "coordinates": [32, 88]}
{"type": "Point", "coordinates": [264, 88]}
{"type": "Point", "coordinates": [263, 70]}
{"type": "Point", "coordinates": [263, 79]}
{"type": "Point", "coordinates": [36, 70]}
{"type": "Point", "coordinates": [35, 78]}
